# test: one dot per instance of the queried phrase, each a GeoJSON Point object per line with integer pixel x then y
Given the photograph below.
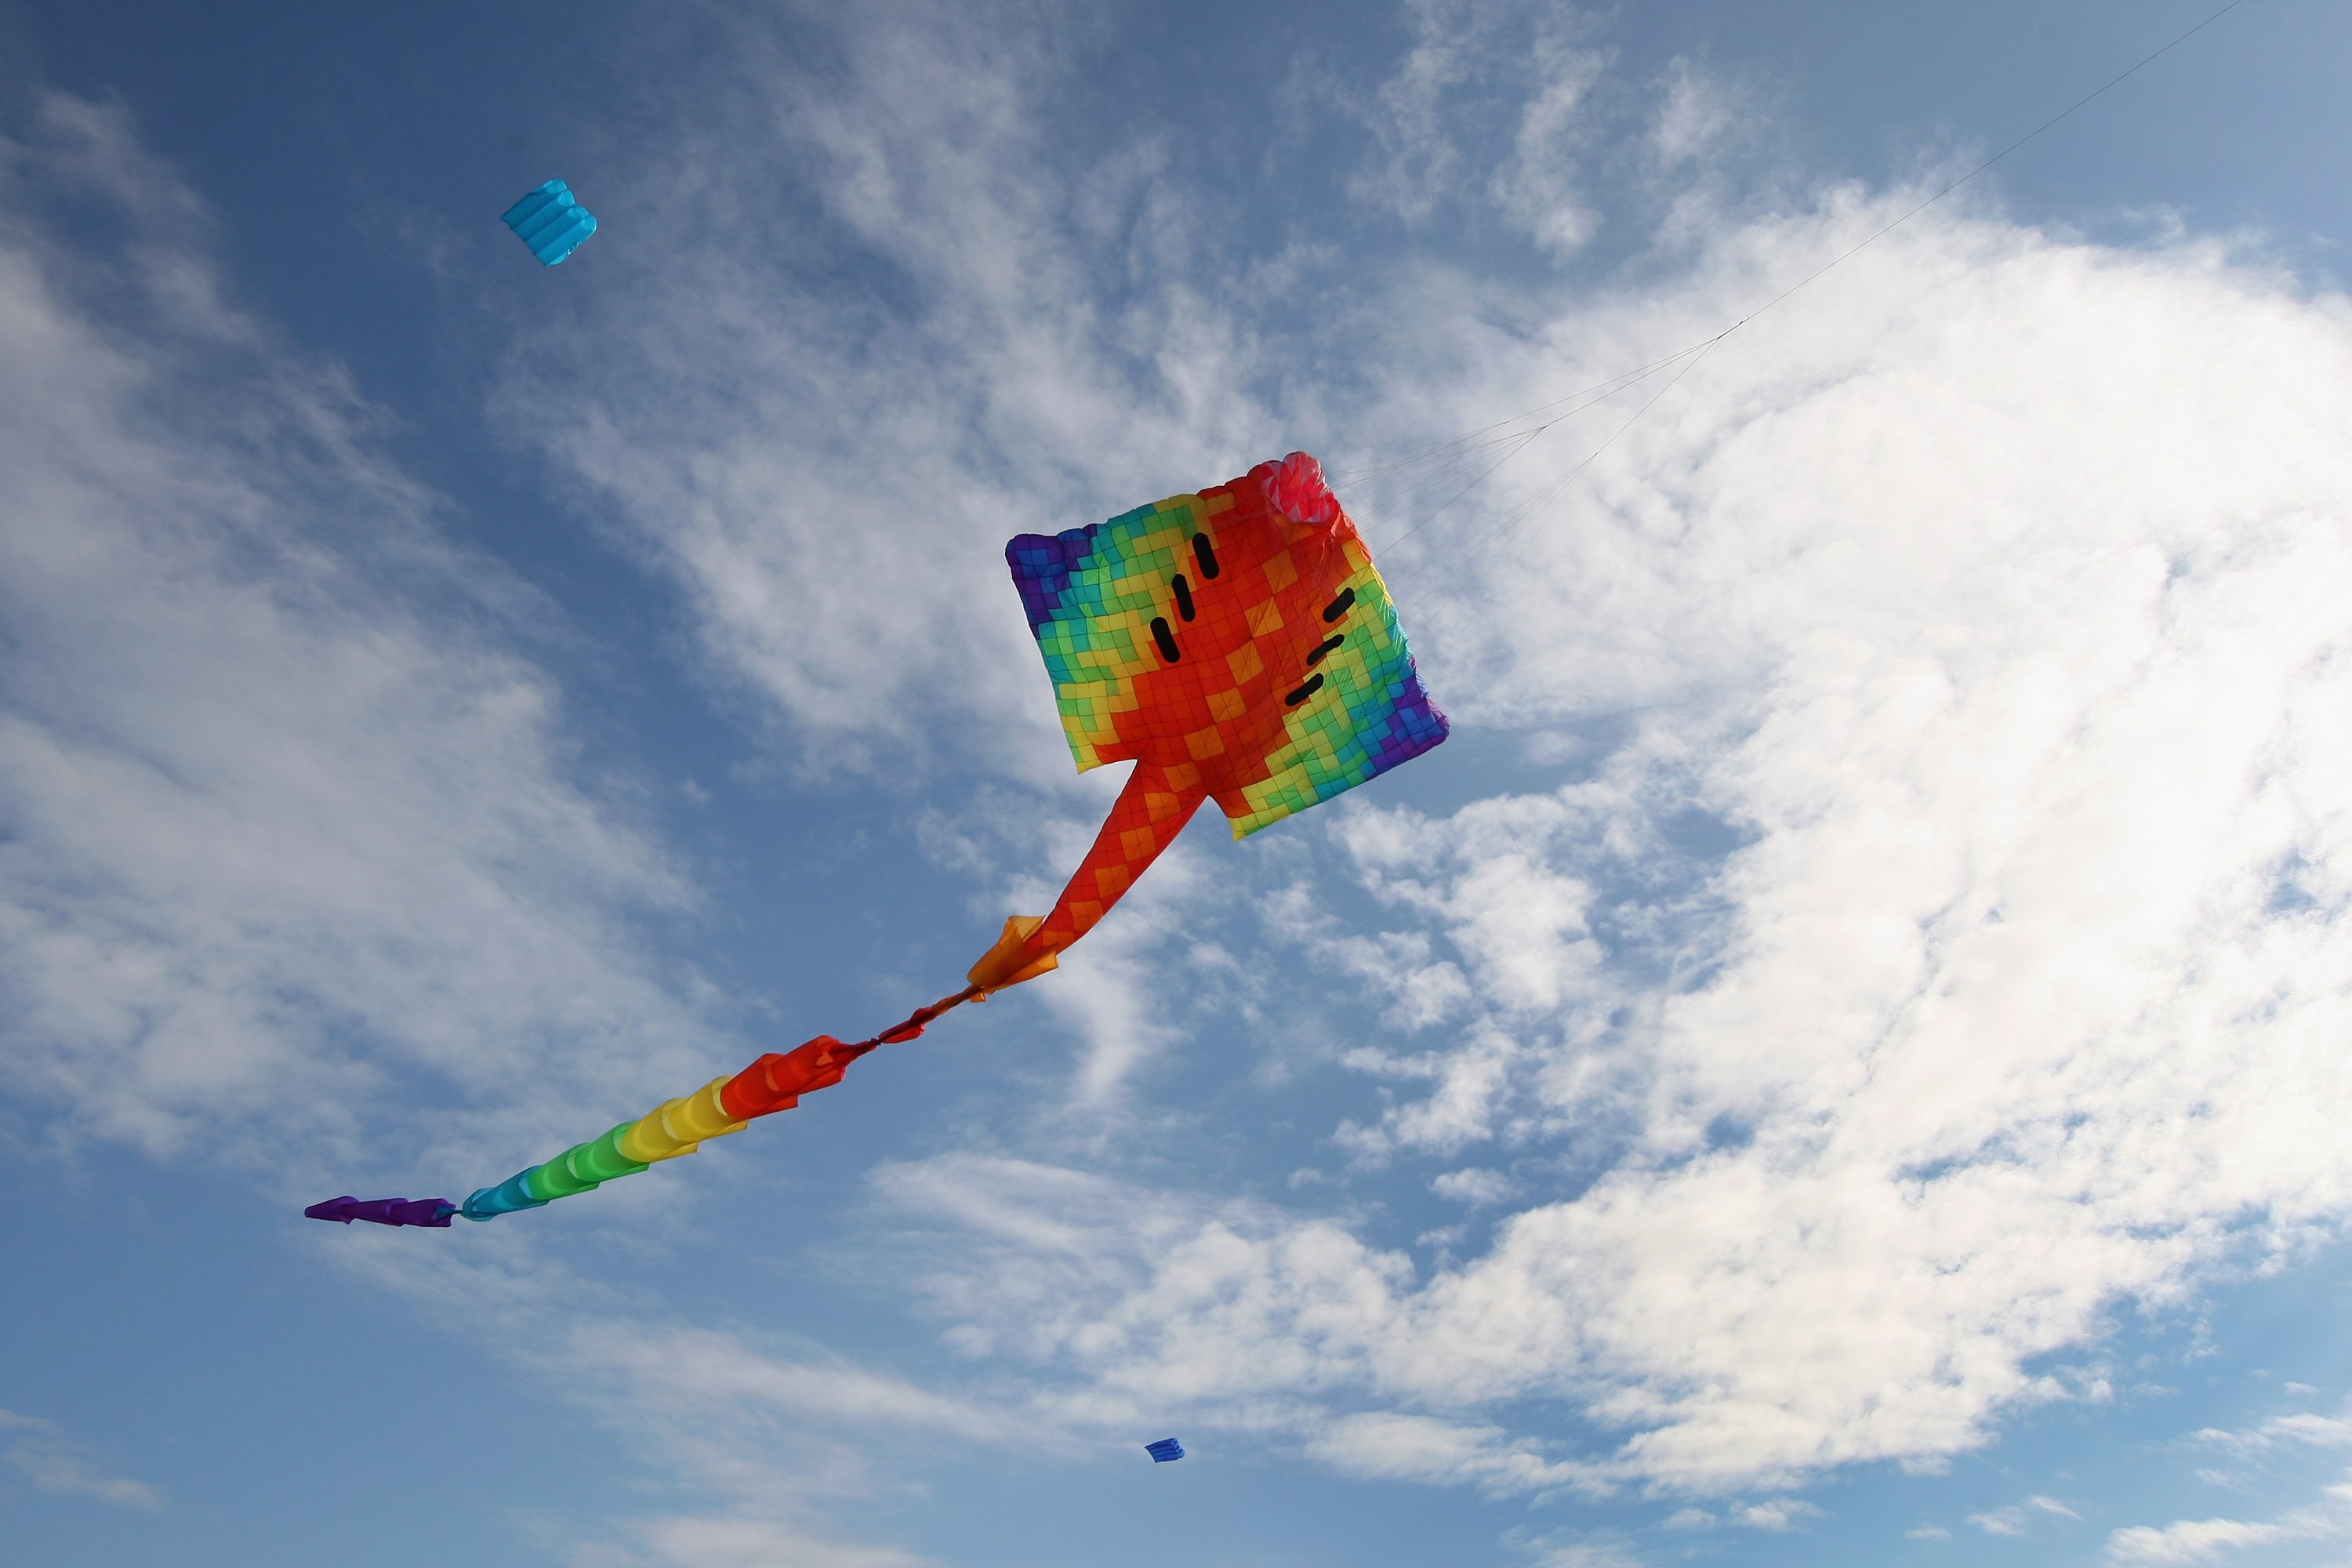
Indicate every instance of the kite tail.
{"type": "Point", "coordinates": [1150, 813]}
{"type": "Point", "coordinates": [724, 1105]}
{"type": "Point", "coordinates": [435, 1212]}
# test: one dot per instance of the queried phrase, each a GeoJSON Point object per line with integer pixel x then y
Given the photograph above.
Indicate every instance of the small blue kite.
{"type": "Point", "coordinates": [1165, 1450]}
{"type": "Point", "coordinates": [551, 221]}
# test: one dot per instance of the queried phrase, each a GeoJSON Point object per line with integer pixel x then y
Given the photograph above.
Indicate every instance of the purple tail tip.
{"type": "Point", "coordinates": [433, 1212]}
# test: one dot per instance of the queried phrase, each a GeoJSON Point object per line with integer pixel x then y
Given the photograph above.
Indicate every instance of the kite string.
{"type": "Point", "coordinates": [1467, 441]}
{"type": "Point", "coordinates": [1520, 516]}
{"type": "Point", "coordinates": [1445, 447]}
{"type": "Point", "coordinates": [1520, 440]}
{"type": "Point", "coordinates": [915, 1022]}
{"type": "Point", "coordinates": [2079, 103]}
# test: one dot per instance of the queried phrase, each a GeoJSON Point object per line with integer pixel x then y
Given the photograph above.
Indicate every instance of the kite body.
{"type": "Point", "coordinates": [1235, 645]}
{"type": "Point", "coordinates": [1238, 645]}
{"type": "Point", "coordinates": [550, 221]}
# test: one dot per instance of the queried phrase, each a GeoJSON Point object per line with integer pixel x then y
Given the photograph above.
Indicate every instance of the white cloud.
{"type": "Point", "coordinates": [1536, 188]}
{"type": "Point", "coordinates": [2298, 1427]}
{"type": "Point", "coordinates": [751, 1541]}
{"type": "Point", "coordinates": [1473, 1186]}
{"type": "Point", "coordinates": [2021, 795]}
{"type": "Point", "coordinates": [52, 1462]}
{"type": "Point", "coordinates": [1462, 1111]}
{"type": "Point", "coordinates": [2191, 1541]}
{"type": "Point", "coordinates": [778, 1433]}
{"type": "Point", "coordinates": [1389, 1447]}
{"type": "Point", "coordinates": [1418, 162]}
{"type": "Point", "coordinates": [1575, 1549]}
{"type": "Point", "coordinates": [1485, 92]}
{"type": "Point", "coordinates": [2014, 1518]}
{"type": "Point", "coordinates": [1776, 1515]}
{"type": "Point", "coordinates": [1698, 112]}
{"type": "Point", "coordinates": [687, 1374]}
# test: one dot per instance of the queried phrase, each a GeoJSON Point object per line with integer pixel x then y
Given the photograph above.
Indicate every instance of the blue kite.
{"type": "Point", "coordinates": [551, 221]}
{"type": "Point", "coordinates": [1165, 1450]}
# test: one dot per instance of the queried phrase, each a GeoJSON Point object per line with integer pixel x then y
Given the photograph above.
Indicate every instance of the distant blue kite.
{"type": "Point", "coordinates": [1165, 1450]}
{"type": "Point", "coordinates": [552, 222]}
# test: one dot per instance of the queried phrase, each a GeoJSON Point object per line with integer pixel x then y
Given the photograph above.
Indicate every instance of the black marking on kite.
{"type": "Point", "coordinates": [1206, 554]}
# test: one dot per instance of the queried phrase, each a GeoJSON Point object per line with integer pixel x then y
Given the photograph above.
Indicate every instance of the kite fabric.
{"type": "Point", "coordinates": [385, 1211]}
{"type": "Point", "coordinates": [1165, 1450]}
{"type": "Point", "coordinates": [551, 221]}
{"type": "Point", "coordinates": [1239, 647]}
{"type": "Point", "coordinates": [1236, 644]}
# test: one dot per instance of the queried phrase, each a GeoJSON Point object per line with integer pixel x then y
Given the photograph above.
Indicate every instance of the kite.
{"type": "Point", "coordinates": [1236, 644]}
{"type": "Point", "coordinates": [1238, 647]}
{"type": "Point", "coordinates": [1165, 1450]}
{"type": "Point", "coordinates": [551, 221]}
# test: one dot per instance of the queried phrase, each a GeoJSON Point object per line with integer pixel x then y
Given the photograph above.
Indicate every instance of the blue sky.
{"type": "Point", "coordinates": [1839, 1058]}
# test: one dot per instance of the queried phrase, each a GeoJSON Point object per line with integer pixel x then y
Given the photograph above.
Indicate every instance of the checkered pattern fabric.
{"type": "Point", "coordinates": [1230, 650]}
{"type": "Point", "coordinates": [1208, 632]}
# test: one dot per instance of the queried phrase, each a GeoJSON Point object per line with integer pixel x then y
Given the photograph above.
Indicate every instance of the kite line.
{"type": "Point", "coordinates": [1514, 442]}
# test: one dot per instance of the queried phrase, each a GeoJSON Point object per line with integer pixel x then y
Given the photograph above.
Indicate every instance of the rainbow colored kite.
{"type": "Point", "coordinates": [1236, 646]}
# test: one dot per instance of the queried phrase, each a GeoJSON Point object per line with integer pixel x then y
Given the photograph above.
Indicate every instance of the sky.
{"type": "Point", "coordinates": [1838, 1058]}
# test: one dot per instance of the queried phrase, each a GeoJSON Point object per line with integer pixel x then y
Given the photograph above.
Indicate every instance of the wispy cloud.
{"type": "Point", "coordinates": [51, 1462]}
{"type": "Point", "coordinates": [1390, 1447]}
{"type": "Point", "coordinates": [1776, 1515]}
{"type": "Point", "coordinates": [2015, 1518]}
{"type": "Point", "coordinates": [2191, 1541]}
{"type": "Point", "coordinates": [289, 821]}
{"type": "Point", "coordinates": [768, 1434]}
{"type": "Point", "coordinates": [2301, 1427]}
{"type": "Point", "coordinates": [741, 1540]}
{"type": "Point", "coordinates": [1486, 112]}
{"type": "Point", "coordinates": [1563, 1550]}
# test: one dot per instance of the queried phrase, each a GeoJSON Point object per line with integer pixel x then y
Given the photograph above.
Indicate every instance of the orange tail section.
{"type": "Point", "coordinates": [1151, 812]}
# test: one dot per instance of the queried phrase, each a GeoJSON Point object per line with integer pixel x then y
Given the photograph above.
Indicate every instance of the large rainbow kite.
{"type": "Point", "coordinates": [1236, 644]}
